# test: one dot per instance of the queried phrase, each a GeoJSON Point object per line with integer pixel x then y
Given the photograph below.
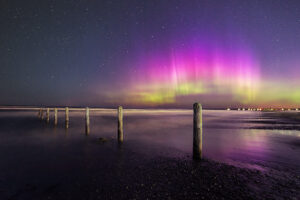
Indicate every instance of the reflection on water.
{"type": "Point", "coordinates": [240, 138]}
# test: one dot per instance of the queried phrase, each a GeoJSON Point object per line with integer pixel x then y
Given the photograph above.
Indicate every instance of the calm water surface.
{"type": "Point", "coordinates": [243, 138]}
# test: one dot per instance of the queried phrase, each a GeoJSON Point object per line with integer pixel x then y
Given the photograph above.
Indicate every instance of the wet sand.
{"type": "Point", "coordinates": [43, 162]}
{"type": "Point", "coordinates": [129, 175]}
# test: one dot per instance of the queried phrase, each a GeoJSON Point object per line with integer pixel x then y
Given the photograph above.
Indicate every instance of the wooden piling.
{"type": "Point", "coordinates": [39, 113]}
{"type": "Point", "coordinates": [120, 124]}
{"type": "Point", "coordinates": [67, 117]}
{"type": "Point", "coordinates": [48, 115]}
{"type": "Point", "coordinates": [55, 116]}
{"type": "Point", "coordinates": [197, 132]}
{"type": "Point", "coordinates": [87, 121]}
{"type": "Point", "coordinates": [42, 114]}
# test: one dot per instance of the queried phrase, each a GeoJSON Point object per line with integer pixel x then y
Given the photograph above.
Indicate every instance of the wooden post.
{"type": "Point", "coordinates": [67, 117]}
{"type": "Point", "coordinates": [87, 120]}
{"type": "Point", "coordinates": [120, 124]}
{"type": "Point", "coordinates": [55, 116]}
{"type": "Point", "coordinates": [42, 113]}
{"type": "Point", "coordinates": [39, 113]}
{"type": "Point", "coordinates": [197, 132]}
{"type": "Point", "coordinates": [48, 115]}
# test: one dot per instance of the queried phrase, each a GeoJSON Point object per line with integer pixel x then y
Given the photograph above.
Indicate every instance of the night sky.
{"type": "Point", "coordinates": [154, 53]}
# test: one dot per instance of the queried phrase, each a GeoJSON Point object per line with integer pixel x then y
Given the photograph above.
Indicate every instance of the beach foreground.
{"type": "Point", "coordinates": [132, 176]}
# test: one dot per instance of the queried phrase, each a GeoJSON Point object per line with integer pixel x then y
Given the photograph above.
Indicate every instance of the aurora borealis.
{"type": "Point", "coordinates": [150, 53]}
{"type": "Point", "coordinates": [198, 69]}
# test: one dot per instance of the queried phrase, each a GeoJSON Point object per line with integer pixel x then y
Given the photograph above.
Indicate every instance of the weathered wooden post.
{"type": "Point", "coordinates": [67, 117]}
{"type": "Point", "coordinates": [87, 120]}
{"type": "Point", "coordinates": [39, 113]}
{"type": "Point", "coordinates": [120, 124]}
{"type": "Point", "coordinates": [197, 132]}
{"type": "Point", "coordinates": [55, 116]}
{"type": "Point", "coordinates": [48, 115]}
{"type": "Point", "coordinates": [42, 114]}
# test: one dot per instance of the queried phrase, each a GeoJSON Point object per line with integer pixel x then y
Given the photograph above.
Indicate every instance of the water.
{"type": "Point", "coordinates": [39, 160]}
{"type": "Point", "coordinates": [244, 138]}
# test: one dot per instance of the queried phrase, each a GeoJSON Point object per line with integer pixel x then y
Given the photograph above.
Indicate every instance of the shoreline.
{"type": "Point", "coordinates": [41, 161]}
{"type": "Point", "coordinates": [134, 177]}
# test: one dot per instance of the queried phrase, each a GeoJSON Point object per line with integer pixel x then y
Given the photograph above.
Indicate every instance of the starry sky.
{"type": "Point", "coordinates": [150, 53]}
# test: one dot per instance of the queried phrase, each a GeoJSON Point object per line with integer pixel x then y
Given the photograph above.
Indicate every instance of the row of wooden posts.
{"type": "Point", "coordinates": [87, 119]}
{"type": "Point", "coordinates": [41, 115]}
{"type": "Point", "coordinates": [197, 125]}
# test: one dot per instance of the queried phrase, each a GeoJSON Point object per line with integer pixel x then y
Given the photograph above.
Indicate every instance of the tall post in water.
{"type": "Point", "coordinates": [48, 115]}
{"type": "Point", "coordinates": [39, 113]}
{"type": "Point", "coordinates": [197, 132]}
{"type": "Point", "coordinates": [87, 121]}
{"type": "Point", "coordinates": [42, 113]}
{"type": "Point", "coordinates": [67, 117]}
{"type": "Point", "coordinates": [55, 116]}
{"type": "Point", "coordinates": [120, 124]}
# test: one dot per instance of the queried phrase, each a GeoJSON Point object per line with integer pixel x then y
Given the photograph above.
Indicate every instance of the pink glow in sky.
{"type": "Point", "coordinates": [196, 69]}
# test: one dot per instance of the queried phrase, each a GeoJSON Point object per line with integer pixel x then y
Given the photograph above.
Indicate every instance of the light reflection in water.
{"type": "Point", "coordinates": [228, 136]}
